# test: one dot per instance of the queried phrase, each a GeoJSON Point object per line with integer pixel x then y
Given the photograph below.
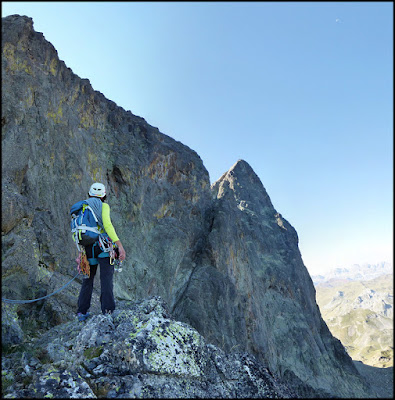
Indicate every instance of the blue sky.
{"type": "Point", "coordinates": [302, 91]}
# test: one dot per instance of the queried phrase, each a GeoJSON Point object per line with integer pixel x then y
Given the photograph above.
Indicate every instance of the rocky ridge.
{"type": "Point", "coordinates": [137, 352]}
{"type": "Point", "coordinates": [222, 258]}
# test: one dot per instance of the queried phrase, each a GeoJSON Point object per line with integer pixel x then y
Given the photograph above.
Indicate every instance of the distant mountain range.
{"type": "Point", "coordinates": [355, 272]}
{"type": "Point", "coordinates": [357, 305]}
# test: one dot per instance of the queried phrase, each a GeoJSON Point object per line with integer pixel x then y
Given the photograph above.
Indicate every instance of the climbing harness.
{"type": "Point", "coordinates": [107, 246]}
{"type": "Point", "coordinates": [105, 243]}
{"type": "Point", "coordinates": [41, 298]}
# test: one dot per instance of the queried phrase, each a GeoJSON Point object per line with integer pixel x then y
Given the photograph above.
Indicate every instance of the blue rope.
{"type": "Point", "coordinates": [41, 298]}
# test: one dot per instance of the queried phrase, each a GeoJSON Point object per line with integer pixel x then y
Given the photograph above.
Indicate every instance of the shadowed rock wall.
{"type": "Point", "coordinates": [222, 258]}
{"type": "Point", "coordinates": [59, 136]}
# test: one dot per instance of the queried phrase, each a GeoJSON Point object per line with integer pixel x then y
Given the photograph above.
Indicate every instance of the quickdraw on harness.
{"type": "Point", "coordinates": [107, 246]}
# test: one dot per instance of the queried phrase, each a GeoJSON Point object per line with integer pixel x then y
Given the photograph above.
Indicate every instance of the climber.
{"type": "Point", "coordinates": [95, 255]}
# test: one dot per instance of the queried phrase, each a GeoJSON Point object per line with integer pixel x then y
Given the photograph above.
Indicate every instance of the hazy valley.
{"type": "Point", "coordinates": [357, 305]}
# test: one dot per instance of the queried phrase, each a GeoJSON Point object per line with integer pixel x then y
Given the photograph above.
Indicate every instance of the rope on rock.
{"type": "Point", "coordinates": [41, 298]}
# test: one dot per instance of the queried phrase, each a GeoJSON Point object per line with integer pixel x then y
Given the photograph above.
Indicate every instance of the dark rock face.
{"type": "Point", "coordinates": [257, 289]}
{"type": "Point", "coordinates": [222, 258]}
{"type": "Point", "coordinates": [59, 136]}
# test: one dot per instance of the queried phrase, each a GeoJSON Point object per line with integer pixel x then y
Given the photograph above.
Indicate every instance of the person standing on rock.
{"type": "Point", "coordinates": [95, 256]}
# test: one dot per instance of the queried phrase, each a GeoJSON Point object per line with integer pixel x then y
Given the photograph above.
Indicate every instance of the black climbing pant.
{"type": "Point", "coordinates": [106, 280]}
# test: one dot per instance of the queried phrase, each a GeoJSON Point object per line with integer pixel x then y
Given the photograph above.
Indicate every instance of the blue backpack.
{"type": "Point", "coordinates": [84, 224]}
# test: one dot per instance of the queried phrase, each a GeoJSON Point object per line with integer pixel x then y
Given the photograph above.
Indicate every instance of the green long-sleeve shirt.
{"type": "Point", "coordinates": [107, 224]}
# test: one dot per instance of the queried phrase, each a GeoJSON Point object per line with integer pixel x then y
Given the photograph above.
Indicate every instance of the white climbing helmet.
{"type": "Point", "coordinates": [97, 190]}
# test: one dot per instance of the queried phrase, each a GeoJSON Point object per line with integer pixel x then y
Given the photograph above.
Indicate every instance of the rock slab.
{"type": "Point", "coordinates": [138, 352]}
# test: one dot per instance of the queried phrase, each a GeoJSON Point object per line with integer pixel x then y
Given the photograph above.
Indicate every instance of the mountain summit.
{"type": "Point", "coordinates": [222, 258]}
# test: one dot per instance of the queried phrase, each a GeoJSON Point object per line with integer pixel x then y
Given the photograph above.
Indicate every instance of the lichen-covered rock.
{"type": "Point", "coordinates": [11, 331]}
{"type": "Point", "coordinates": [138, 351]}
{"type": "Point", "coordinates": [54, 383]}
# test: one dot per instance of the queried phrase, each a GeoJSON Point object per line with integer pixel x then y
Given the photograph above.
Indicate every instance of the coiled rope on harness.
{"type": "Point", "coordinates": [41, 298]}
{"type": "Point", "coordinates": [83, 265]}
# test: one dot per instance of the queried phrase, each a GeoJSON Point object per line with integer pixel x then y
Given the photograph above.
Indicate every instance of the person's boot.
{"type": "Point", "coordinates": [82, 317]}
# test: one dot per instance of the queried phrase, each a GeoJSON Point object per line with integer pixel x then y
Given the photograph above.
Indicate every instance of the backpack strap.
{"type": "Point", "coordinates": [85, 207]}
{"type": "Point", "coordinates": [77, 229]}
